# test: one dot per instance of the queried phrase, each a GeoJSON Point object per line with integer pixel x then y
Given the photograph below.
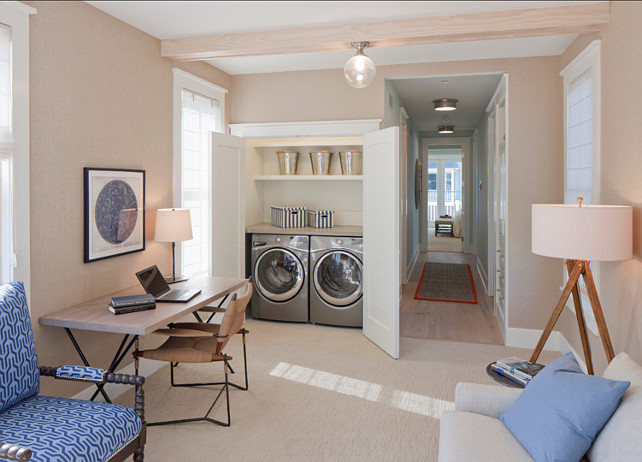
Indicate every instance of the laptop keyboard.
{"type": "Point", "coordinates": [174, 294]}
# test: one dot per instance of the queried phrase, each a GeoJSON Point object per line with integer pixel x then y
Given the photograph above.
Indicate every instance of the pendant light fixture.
{"type": "Point", "coordinates": [446, 128]}
{"type": "Point", "coordinates": [360, 70]}
{"type": "Point", "coordinates": [445, 104]}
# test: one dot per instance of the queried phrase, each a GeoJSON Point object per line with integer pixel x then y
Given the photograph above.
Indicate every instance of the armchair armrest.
{"type": "Point", "coordinates": [489, 400]}
{"type": "Point", "coordinates": [14, 452]}
{"type": "Point", "coordinates": [66, 373]}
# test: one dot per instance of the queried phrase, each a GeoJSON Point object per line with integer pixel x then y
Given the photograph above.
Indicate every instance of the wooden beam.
{"type": "Point", "coordinates": [439, 29]}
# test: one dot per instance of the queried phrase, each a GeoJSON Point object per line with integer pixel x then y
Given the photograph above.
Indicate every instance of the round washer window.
{"type": "Point", "coordinates": [337, 278]}
{"type": "Point", "coordinates": [279, 275]}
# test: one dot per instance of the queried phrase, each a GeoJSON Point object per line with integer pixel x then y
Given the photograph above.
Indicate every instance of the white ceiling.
{"type": "Point", "coordinates": [170, 19]}
{"type": "Point", "coordinates": [473, 92]}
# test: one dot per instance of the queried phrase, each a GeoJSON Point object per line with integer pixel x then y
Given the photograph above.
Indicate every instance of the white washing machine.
{"type": "Point", "coordinates": [336, 267]}
{"type": "Point", "coordinates": [280, 275]}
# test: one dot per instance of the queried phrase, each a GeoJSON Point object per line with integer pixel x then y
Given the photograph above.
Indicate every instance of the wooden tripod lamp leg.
{"type": "Point", "coordinates": [579, 314]}
{"type": "Point", "coordinates": [578, 268]}
{"type": "Point", "coordinates": [599, 314]}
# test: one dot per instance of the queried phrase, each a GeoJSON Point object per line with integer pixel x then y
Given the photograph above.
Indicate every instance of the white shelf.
{"type": "Point", "coordinates": [308, 142]}
{"type": "Point", "coordinates": [308, 178]}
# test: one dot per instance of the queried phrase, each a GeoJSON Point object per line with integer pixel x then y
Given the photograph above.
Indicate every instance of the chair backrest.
{"type": "Point", "coordinates": [19, 374]}
{"type": "Point", "coordinates": [234, 317]}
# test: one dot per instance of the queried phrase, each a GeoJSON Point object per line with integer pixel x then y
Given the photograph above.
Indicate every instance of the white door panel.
{"type": "Point", "coordinates": [381, 244]}
{"type": "Point", "coordinates": [228, 205]}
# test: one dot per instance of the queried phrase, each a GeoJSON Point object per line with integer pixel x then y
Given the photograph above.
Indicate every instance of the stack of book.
{"type": "Point", "coordinates": [516, 369]}
{"type": "Point", "coordinates": [132, 303]}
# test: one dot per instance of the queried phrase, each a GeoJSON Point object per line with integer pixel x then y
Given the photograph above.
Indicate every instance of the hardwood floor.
{"type": "Point", "coordinates": [459, 322]}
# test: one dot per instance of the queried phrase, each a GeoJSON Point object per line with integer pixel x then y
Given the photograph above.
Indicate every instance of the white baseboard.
{"type": "Point", "coordinates": [146, 368]}
{"type": "Point", "coordinates": [411, 265]}
{"type": "Point", "coordinates": [528, 338]}
{"type": "Point", "coordinates": [482, 275]}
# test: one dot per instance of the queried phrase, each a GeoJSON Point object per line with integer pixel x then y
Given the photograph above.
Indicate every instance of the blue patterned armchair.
{"type": "Point", "coordinates": [47, 429]}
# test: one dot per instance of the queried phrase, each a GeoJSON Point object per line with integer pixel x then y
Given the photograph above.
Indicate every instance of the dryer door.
{"type": "Point", "coordinates": [337, 278]}
{"type": "Point", "coordinates": [278, 274]}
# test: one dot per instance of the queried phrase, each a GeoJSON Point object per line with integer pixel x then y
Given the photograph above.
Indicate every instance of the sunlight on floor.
{"type": "Point", "coordinates": [403, 400]}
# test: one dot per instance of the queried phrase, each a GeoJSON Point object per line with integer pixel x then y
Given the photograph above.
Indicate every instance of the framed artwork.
{"type": "Point", "coordinates": [418, 179]}
{"type": "Point", "coordinates": [114, 212]}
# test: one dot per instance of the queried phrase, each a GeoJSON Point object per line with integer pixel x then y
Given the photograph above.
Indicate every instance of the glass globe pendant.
{"type": "Point", "coordinates": [360, 70]}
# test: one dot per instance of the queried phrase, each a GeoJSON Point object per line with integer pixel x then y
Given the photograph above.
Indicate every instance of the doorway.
{"type": "Point", "coordinates": [444, 198]}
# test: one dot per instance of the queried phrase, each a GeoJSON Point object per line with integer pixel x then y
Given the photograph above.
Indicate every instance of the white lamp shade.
{"type": "Point", "coordinates": [173, 225]}
{"type": "Point", "coordinates": [590, 232]}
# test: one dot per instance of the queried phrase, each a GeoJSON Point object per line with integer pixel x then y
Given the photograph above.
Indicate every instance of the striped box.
{"type": "Point", "coordinates": [288, 217]}
{"type": "Point", "coordinates": [320, 218]}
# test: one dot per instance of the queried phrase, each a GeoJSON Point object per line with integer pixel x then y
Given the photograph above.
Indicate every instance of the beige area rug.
{"type": "Point", "coordinates": [318, 394]}
{"type": "Point", "coordinates": [443, 243]}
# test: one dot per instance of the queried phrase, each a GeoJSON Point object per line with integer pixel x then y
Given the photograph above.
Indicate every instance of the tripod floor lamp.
{"type": "Point", "coordinates": [173, 225]}
{"type": "Point", "coordinates": [581, 234]}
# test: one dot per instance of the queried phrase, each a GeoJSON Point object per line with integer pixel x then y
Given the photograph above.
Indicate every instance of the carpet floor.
{"type": "Point", "coordinates": [316, 394]}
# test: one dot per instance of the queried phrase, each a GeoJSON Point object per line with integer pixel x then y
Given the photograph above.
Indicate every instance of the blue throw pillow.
{"type": "Point", "coordinates": [558, 415]}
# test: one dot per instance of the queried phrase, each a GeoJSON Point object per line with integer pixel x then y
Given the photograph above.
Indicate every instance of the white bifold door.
{"type": "Point", "coordinates": [381, 240]}
{"type": "Point", "coordinates": [228, 205]}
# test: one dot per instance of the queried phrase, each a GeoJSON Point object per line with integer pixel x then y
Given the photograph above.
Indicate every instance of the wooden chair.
{"type": "Point", "coordinates": [203, 343]}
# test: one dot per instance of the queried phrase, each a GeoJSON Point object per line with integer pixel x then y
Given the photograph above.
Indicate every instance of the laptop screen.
{"type": "Point", "coordinates": [152, 281]}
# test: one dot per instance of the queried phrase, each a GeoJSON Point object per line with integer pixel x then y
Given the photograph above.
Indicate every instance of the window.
{"type": "Point", "coordinates": [14, 142]}
{"type": "Point", "coordinates": [198, 111]}
{"type": "Point", "coordinates": [582, 145]}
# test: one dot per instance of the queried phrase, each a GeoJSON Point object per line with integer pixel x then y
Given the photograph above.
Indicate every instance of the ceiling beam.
{"type": "Point", "coordinates": [438, 29]}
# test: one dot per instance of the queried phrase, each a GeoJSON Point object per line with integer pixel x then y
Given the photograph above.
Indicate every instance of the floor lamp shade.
{"type": "Point", "coordinates": [173, 225]}
{"type": "Point", "coordinates": [589, 232]}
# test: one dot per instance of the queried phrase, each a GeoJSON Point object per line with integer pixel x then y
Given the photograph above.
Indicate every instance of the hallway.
{"type": "Point", "coordinates": [459, 322]}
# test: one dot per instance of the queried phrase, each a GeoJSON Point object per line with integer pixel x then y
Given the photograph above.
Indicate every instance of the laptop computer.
{"type": "Point", "coordinates": [154, 284]}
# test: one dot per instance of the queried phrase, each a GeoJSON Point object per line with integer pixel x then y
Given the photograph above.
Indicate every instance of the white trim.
{"type": "Point", "coordinates": [528, 338]}
{"type": "Point", "coordinates": [16, 15]}
{"type": "Point", "coordinates": [588, 60]}
{"type": "Point", "coordinates": [482, 275]}
{"type": "Point", "coordinates": [411, 265]}
{"type": "Point", "coordinates": [403, 193]}
{"type": "Point", "coordinates": [23, 8]}
{"type": "Point", "coordinates": [192, 78]}
{"type": "Point", "coordinates": [313, 128]}
{"type": "Point", "coordinates": [195, 84]}
{"type": "Point", "coordinates": [146, 368]}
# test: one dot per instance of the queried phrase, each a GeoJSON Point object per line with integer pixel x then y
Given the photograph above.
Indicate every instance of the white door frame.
{"type": "Point", "coordinates": [403, 168]}
{"type": "Point", "coordinates": [465, 143]}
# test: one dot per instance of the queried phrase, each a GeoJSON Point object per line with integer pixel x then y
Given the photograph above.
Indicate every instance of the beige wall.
{"type": "Point", "coordinates": [621, 173]}
{"type": "Point", "coordinates": [100, 96]}
{"type": "Point", "coordinates": [535, 145]}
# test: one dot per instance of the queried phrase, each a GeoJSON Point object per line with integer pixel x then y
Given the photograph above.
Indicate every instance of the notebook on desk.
{"type": "Point", "coordinates": [154, 284]}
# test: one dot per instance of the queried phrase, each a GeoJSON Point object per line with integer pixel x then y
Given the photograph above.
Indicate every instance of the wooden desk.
{"type": "Point", "coordinates": [95, 316]}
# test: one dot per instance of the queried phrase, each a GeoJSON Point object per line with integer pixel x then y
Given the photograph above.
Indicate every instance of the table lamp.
{"type": "Point", "coordinates": [173, 225]}
{"type": "Point", "coordinates": [579, 234]}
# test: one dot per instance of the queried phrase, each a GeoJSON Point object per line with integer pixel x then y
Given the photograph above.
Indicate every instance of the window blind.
{"type": "Point", "coordinates": [200, 116]}
{"type": "Point", "coordinates": [579, 140]}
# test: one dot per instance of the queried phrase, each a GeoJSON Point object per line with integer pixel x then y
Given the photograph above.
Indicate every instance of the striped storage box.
{"type": "Point", "coordinates": [288, 217]}
{"type": "Point", "coordinates": [320, 218]}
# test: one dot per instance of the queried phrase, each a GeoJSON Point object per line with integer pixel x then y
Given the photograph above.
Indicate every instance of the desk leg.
{"type": "Point", "coordinates": [86, 363]}
{"type": "Point", "coordinates": [118, 357]}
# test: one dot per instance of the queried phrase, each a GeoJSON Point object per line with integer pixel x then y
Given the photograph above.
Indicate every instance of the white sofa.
{"type": "Point", "coordinates": [472, 432]}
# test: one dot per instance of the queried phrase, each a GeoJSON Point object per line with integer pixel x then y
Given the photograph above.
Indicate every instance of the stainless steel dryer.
{"type": "Point", "coordinates": [280, 275]}
{"type": "Point", "coordinates": [337, 286]}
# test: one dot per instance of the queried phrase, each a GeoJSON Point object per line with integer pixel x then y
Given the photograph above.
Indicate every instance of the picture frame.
{"type": "Point", "coordinates": [114, 212]}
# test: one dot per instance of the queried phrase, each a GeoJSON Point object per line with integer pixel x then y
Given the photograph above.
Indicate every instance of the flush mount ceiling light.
{"type": "Point", "coordinates": [359, 71]}
{"type": "Point", "coordinates": [446, 128]}
{"type": "Point", "coordinates": [445, 104]}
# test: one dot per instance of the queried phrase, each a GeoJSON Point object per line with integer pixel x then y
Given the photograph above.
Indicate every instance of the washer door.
{"type": "Point", "coordinates": [337, 278]}
{"type": "Point", "coordinates": [278, 274]}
